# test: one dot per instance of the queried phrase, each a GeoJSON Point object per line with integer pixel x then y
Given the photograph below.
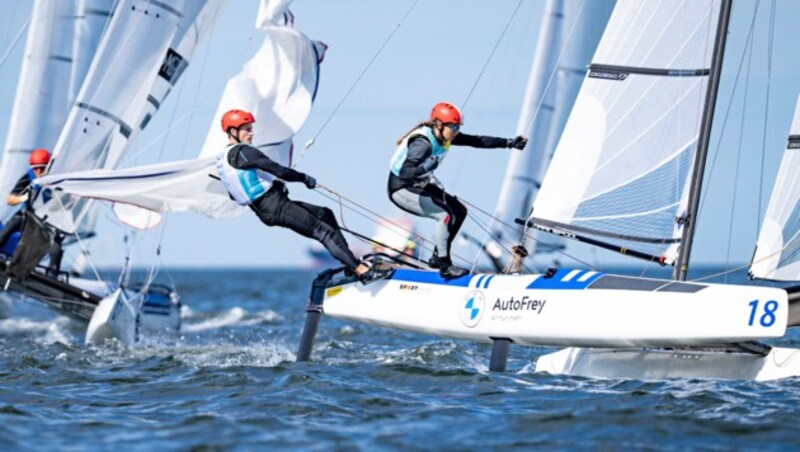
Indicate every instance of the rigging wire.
{"type": "Point", "coordinates": [339, 198]}
{"type": "Point", "coordinates": [770, 41]}
{"type": "Point", "coordinates": [531, 237]}
{"type": "Point", "coordinates": [161, 137]}
{"type": "Point", "coordinates": [551, 77]}
{"type": "Point", "coordinates": [11, 18]}
{"type": "Point", "coordinates": [314, 138]}
{"type": "Point", "coordinates": [486, 230]}
{"type": "Point", "coordinates": [710, 170]}
{"type": "Point", "coordinates": [749, 51]}
{"type": "Point", "coordinates": [81, 245]}
{"type": "Point", "coordinates": [15, 41]}
{"type": "Point", "coordinates": [491, 54]}
{"type": "Point", "coordinates": [555, 68]}
{"type": "Point", "coordinates": [342, 200]}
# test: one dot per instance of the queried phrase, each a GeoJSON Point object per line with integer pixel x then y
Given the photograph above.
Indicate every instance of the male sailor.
{"type": "Point", "coordinates": [419, 152]}
{"type": "Point", "coordinates": [21, 192]}
{"type": "Point", "coordinates": [255, 180]}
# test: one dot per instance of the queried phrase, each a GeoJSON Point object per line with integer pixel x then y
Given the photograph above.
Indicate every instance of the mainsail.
{"type": "Point", "coordinates": [61, 42]}
{"type": "Point", "coordinates": [278, 84]}
{"type": "Point", "coordinates": [568, 38]}
{"type": "Point", "coordinates": [143, 53]}
{"type": "Point", "coordinates": [777, 254]}
{"type": "Point", "coordinates": [620, 172]}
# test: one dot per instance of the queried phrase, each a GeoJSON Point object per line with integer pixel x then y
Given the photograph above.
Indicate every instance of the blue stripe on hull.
{"type": "Point", "coordinates": [430, 277]}
{"type": "Point", "coordinates": [566, 280]}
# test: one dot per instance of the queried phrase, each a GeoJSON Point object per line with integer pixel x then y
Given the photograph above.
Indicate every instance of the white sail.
{"type": "Point", "coordinates": [186, 185]}
{"type": "Point", "coordinates": [62, 38]}
{"type": "Point", "coordinates": [620, 170]}
{"type": "Point", "coordinates": [116, 88]}
{"type": "Point", "coordinates": [198, 18]}
{"type": "Point", "coordinates": [777, 254]}
{"type": "Point", "coordinates": [278, 85]}
{"type": "Point", "coordinates": [115, 91]}
{"type": "Point", "coordinates": [568, 38]}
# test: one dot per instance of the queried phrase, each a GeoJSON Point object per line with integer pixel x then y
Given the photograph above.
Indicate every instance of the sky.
{"type": "Point", "coordinates": [436, 54]}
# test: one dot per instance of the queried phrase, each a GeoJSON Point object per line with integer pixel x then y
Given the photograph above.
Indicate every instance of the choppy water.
{"type": "Point", "coordinates": [230, 381]}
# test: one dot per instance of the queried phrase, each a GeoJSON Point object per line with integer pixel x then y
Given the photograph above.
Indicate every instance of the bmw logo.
{"type": "Point", "coordinates": [472, 309]}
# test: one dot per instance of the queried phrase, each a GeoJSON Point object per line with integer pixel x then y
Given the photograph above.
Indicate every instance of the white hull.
{"type": "Point", "coordinates": [125, 315]}
{"type": "Point", "coordinates": [161, 310]}
{"type": "Point", "coordinates": [571, 308]}
{"type": "Point", "coordinates": [5, 306]}
{"type": "Point", "coordinates": [655, 364]}
{"type": "Point", "coordinates": [114, 317]}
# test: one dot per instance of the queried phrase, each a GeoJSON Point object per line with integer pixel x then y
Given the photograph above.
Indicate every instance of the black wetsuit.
{"type": "Point", "coordinates": [275, 208]}
{"type": "Point", "coordinates": [14, 224]}
{"type": "Point", "coordinates": [414, 178]}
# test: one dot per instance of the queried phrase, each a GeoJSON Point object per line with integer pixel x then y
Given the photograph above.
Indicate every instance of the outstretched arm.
{"type": "Point", "coordinates": [481, 141]}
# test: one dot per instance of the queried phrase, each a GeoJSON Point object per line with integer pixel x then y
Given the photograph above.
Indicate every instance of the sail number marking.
{"type": "Point", "coordinates": [767, 318]}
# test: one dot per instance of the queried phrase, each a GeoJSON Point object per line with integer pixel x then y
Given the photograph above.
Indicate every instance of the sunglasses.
{"type": "Point", "coordinates": [454, 127]}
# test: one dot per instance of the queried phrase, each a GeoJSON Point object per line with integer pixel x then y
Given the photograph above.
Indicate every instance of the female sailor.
{"type": "Point", "coordinates": [419, 152]}
{"type": "Point", "coordinates": [255, 180]}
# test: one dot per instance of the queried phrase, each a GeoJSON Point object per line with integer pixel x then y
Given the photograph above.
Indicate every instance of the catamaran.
{"type": "Point", "coordinates": [626, 175]}
{"type": "Point", "coordinates": [278, 84]}
{"type": "Point", "coordinates": [61, 40]}
{"type": "Point", "coordinates": [138, 51]}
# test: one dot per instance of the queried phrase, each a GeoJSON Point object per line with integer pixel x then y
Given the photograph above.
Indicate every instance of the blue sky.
{"type": "Point", "coordinates": [436, 55]}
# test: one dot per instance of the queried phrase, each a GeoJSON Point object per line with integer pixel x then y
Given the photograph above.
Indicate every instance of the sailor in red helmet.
{"type": "Point", "coordinates": [419, 152]}
{"type": "Point", "coordinates": [255, 180]}
{"type": "Point", "coordinates": [21, 192]}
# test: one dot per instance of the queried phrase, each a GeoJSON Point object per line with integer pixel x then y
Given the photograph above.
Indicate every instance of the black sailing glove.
{"type": "Point", "coordinates": [518, 142]}
{"type": "Point", "coordinates": [310, 182]}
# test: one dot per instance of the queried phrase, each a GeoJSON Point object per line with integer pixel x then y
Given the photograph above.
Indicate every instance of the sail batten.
{"type": "Point", "coordinates": [597, 70]}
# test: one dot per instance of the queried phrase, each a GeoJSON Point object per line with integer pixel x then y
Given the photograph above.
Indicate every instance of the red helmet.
{"type": "Point", "coordinates": [40, 157]}
{"type": "Point", "coordinates": [236, 119]}
{"type": "Point", "coordinates": [447, 113]}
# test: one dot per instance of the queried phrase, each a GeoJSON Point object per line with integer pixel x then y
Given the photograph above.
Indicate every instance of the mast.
{"type": "Point", "coordinates": [682, 263]}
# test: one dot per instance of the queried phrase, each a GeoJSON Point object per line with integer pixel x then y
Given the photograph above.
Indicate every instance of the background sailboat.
{"type": "Point", "coordinates": [567, 40]}
{"type": "Point", "coordinates": [278, 84]}
{"type": "Point", "coordinates": [776, 256]}
{"type": "Point", "coordinates": [61, 42]}
{"type": "Point", "coordinates": [143, 51]}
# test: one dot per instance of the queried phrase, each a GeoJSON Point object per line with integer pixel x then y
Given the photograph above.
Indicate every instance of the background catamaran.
{"type": "Point", "coordinates": [278, 84]}
{"type": "Point", "coordinates": [61, 40]}
{"type": "Point", "coordinates": [123, 90]}
{"type": "Point", "coordinates": [143, 51]}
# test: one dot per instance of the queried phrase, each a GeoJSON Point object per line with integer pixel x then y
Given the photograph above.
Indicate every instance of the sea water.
{"type": "Point", "coordinates": [229, 381]}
